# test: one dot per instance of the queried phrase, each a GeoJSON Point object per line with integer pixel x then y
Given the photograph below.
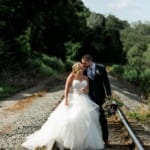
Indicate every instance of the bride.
{"type": "Point", "coordinates": [74, 124]}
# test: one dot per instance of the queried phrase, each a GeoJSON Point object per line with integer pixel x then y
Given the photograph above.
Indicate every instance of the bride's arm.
{"type": "Point", "coordinates": [67, 88]}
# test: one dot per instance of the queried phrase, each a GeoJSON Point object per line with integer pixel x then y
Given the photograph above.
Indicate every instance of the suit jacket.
{"type": "Point", "coordinates": [99, 87]}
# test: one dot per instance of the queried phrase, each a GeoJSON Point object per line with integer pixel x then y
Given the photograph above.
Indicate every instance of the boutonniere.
{"type": "Point", "coordinates": [98, 72]}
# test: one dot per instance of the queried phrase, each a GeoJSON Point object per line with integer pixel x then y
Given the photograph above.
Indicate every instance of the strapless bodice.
{"type": "Point", "coordinates": [77, 85]}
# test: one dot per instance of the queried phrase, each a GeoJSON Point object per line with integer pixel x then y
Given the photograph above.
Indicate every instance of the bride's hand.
{"type": "Point", "coordinates": [83, 90]}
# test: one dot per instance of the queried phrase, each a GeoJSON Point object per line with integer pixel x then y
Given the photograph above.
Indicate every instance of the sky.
{"type": "Point", "coordinates": [130, 10]}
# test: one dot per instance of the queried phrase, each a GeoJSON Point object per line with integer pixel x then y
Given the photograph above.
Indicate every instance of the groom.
{"type": "Point", "coordinates": [99, 88]}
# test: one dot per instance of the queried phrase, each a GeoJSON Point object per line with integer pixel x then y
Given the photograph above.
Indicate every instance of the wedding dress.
{"type": "Point", "coordinates": [75, 126]}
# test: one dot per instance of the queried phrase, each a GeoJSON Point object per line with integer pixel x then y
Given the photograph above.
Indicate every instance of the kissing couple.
{"type": "Point", "coordinates": [78, 122]}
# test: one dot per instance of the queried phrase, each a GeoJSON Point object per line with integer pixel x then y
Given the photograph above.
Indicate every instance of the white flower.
{"type": "Point", "coordinates": [97, 72]}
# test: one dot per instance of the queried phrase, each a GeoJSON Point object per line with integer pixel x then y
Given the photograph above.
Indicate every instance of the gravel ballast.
{"type": "Point", "coordinates": [30, 119]}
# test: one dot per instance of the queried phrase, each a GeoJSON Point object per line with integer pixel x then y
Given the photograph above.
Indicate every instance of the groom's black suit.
{"type": "Point", "coordinates": [99, 87]}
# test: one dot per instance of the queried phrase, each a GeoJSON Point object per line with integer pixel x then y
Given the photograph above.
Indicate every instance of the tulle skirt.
{"type": "Point", "coordinates": [75, 126]}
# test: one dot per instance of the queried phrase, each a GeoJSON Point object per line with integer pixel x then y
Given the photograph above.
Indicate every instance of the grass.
{"type": "Point", "coordinates": [141, 114]}
{"type": "Point", "coordinates": [119, 103]}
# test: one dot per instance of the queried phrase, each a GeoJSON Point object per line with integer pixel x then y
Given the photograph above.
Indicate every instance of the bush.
{"type": "Point", "coordinates": [72, 49]}
{"type": "Point", "coordinates": [145, 75]}
{"type": "Point", "coordinates": [46, 65]}
{"type": "Point", "coordinates": [137, 75]}
{"type": "Point", "coordinates": [140, 77]}
{"type": "Point", "coordinates": [39, 67]}
{"type": "Point", "coordinates": [24, 45]}
{"type": "Point", "coordinates": [117, 70]}
{"type": "Point", "coordinates": [6, 90]}
{"type": "Point", "coordinates": [46, 70]}
{"type": "Point", "coordinates": [54, 63]}
{"type": "Point", "coordinates": [131, 74]}
{"type": "Point", "coordinates": [145, 81]}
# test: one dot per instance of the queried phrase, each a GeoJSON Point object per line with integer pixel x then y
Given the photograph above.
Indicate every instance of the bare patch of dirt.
{"type": "Point", "coordinates": [22, 104]}
{"type": "Point", "coordinates": [6, 129]}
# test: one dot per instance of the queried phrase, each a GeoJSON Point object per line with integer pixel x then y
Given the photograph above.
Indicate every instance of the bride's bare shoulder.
{"type": "Point", "coordinates": [70, 76]}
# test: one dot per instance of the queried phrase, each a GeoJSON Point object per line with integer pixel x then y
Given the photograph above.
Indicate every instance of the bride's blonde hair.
{"type": "Point", "coordinates": [76, 67]}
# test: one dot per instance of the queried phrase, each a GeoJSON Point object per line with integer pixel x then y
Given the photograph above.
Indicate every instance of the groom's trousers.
{"type": "Point", "coordinates": [103, 123]}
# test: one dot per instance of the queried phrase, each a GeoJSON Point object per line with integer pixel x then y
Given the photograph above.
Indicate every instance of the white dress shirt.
{"type": "Point", "coordinates": [91, 71]}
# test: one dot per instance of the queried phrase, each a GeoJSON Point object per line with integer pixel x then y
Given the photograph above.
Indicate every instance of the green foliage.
{"type": "Point", "coordinates": [141, 77]}
{"type": "Point", "coordinates": [143, 28]}
{"type": "Point", "coordinates": [46, 65]}
{"type": "Point", "coordinates": [143, 117]}
{"type": "Point", "coordinates": [117, 70]}
{"type": "Point", "coordinates": [145, 81]}
{"type": "Point", "coordinates": [146, 56]}
{"type": "Point", "coordinates": [135, 54]}
{"type": "Point", "coordinates": [95, 21]}
{"type": "Point", "coordinates": [54, 63]}
{"type": "Point", "coordinates": [132, 36]}
{"type": "Point", "coordinates": [6, 90]}
{"type": "Point", "coordinates": [114, 23]}
{"type": "Point", "coordinates": [40, 67]}
{"type": "Point", "coordinates": [72, 50]}
{"type": "Point", "coordinates": [136, 41]}
{"type": "Point", "coordinates": [145, 75]}
{"type": "Point", "coordinates": [131, 74]}
{"type": "Point", "coordinates": [46, 70]}
{"type": "Point", "coordinates": [65, 30]}
{"type": "Point", "coordinates": [136, 115]}
{"type": "Point", "coordinates": [119, 103]}
{"type": "Point", "coordinates": [39, 27]}
{"type": "Point", "coordinates": [114, 47]}
{"type": "Point", "coordinates": [24, 46]}
{"type": "Point", "coordinates": [17, 77]}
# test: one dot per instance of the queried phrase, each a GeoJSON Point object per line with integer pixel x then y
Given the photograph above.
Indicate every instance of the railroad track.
{"type": "Point", "coordinates": [127, 134]}
{"type": "Point", "coordinates": [124, 134]}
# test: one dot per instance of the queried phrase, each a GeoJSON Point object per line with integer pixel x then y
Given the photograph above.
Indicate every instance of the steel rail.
{"type": "Point", "coordinates": [135, 139]}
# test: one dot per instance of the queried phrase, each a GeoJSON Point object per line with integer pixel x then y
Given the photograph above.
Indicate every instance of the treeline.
{"type": "Point", "coordinates": [136, 46]}
{"type": "Point", "coordinates": [44, 37]}
{"type": "Point", "coordinates": [61, 28]}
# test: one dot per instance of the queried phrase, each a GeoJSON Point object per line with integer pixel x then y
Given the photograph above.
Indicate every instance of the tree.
{"type": "Point", "coordinates": [136, 41]}
{"type": "Point", "coordinates": [95, 21]}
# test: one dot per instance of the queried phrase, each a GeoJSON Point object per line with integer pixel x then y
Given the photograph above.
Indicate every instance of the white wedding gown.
{"type": "Point", "coordinates": [75, 126]}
